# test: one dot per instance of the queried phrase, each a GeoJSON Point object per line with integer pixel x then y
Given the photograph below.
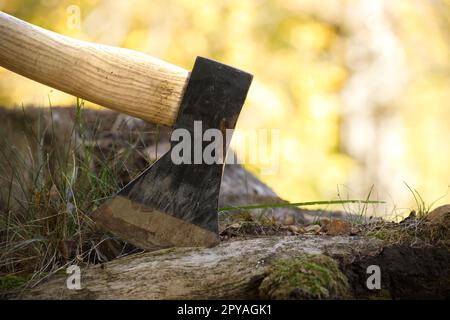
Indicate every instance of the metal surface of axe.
{"type": "Point", "coordinates": [168, 204]}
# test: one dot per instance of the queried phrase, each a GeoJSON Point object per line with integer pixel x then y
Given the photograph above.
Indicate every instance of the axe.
{"type": "Point", "coordinates": [168, 204]}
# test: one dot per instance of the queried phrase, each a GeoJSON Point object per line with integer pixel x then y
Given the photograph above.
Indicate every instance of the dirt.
{"type": "Point", "coordinates": [406, 273]}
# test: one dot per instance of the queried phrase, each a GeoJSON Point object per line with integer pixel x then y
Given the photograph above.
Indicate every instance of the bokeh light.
{"type": "Point", "coordinates": [359, 89]}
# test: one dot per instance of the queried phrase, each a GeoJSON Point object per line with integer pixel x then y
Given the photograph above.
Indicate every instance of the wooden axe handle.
{"type": "Point", "coordinates": [117, 78]}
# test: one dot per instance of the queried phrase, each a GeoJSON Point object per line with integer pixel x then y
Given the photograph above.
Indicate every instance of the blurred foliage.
{"type": "Point", "coordinates": [310, 60]}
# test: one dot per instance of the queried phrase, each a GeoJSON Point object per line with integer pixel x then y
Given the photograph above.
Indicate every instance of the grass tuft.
{"type": "Point", "coordinates": [54, 176]}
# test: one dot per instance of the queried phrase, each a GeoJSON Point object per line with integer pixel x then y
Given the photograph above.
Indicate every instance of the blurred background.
{"type": "Point", "coordinates": [360, 89]}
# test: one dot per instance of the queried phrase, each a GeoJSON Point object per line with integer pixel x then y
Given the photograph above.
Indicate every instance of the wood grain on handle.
{"type": "Point", "coordinates": [116, 78]}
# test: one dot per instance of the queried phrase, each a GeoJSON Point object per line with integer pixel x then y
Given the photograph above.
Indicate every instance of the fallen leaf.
{"type": "Point", "coordinates": [338, 227]}
{"type": "Point", "coordinates": [296, 229]}
{"type": "Point", "coordinates": [314, 228]}
{"type": "Point", "coordinates": [289, 220]}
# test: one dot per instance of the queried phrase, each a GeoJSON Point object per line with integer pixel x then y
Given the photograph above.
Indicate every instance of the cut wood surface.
{"type": "Point", "coordinates": [116, 78]}
{"type": "Point", "coordinates": [299, 267]}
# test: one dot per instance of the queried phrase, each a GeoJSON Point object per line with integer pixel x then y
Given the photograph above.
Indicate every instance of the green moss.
{"type": "Point", "coordinates": [392, 234]}
{"type": "Point", "coordinates": [380, 235]}
{"type": "Point", "coordinates": [305, 277]}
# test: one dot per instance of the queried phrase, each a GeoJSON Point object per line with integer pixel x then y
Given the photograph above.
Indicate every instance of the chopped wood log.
{"type": "Point", "coordinates": [311, 267]}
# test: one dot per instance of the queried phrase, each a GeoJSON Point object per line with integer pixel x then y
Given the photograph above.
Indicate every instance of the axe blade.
{"type": "Point", "coordinates": [176, 204]}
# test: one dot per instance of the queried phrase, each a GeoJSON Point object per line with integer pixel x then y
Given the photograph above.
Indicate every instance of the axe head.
{"type": "Point", "coordinates": [172, 204]}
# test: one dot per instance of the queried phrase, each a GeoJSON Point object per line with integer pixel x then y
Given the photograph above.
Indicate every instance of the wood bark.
{"type": "Point", "coordinates": [237, 269]}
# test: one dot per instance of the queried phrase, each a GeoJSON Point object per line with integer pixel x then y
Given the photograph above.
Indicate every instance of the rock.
{"type": "Point", "coordinates": [440, 215]}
